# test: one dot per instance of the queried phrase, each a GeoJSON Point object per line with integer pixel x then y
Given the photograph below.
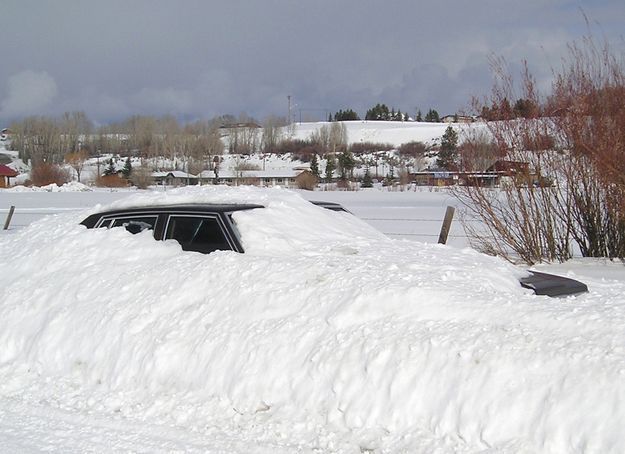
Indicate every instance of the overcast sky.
{"type": "Point", "coordinates": [201, 58]}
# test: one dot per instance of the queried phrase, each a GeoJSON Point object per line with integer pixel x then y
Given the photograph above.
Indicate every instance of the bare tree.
{"type": "Point", "coordinates": [478, 150]}
{"type": "Point", "coordinates": [75, 129]}
{"type": "Point", "coordinates": [572, 142]}
{"type": "Point", "coordinates": [77, 161]}
{"type": "Point", "coordinates": [272, 133]}
{"type": "Point", "coordinates": [37, 139]}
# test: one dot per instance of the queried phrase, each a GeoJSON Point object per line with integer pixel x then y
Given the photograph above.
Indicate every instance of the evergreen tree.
{"type": "Point", "coordinates": [330, 118]}
{"type": "Point", "coordinates": [367, 181]}
{"type": "Point", "coordinates": [314, 166]}
{"type": "Point", "coordinates": [449, 149]}
{"type": "Point", "coordinates": [346, 164]}
{"type": "Point", "coordinates": [330, 166]}
{"type": "Point", "coordinates": [378, 112]}
{"type": "Point", "coordinates": [419, 117]}
{"type": "Point", "coordinates": [110, 168]}
{"type": "Point", "coordinates": [127, 170]}
{"type": "Point", "coordinates": [347, 115]}
{"type": "Point", "coordinates": [432, 116]}
{"type": "Point", "coordinates": [390, 177]}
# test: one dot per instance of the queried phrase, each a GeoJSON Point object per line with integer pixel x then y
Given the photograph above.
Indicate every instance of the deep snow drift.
{"type": "Point", "coordinates": [324, 336]}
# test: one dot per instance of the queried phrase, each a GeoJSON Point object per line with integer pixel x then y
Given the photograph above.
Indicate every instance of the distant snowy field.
{"type": "Point", "coordinates": [324, 337]}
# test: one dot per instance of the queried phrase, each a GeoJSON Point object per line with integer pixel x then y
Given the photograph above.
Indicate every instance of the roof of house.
{"type": "Point", "coordinates": [6, 171]}
{"type": "Point", "coordinates": [230, 173]}
{"type": "Point", "coordinates": [172, 173]}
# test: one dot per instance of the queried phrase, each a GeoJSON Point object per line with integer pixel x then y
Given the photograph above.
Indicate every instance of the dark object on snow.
{"type": "Point", "coordinates": [332, 206]}
{"type": "Point", "coordinates": [552, 285]}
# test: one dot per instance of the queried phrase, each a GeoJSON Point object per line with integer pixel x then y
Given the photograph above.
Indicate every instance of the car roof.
{"type": "Point", "coordinates": [91, 220]}
{"type": "Point", "coordinates": [215, 207]}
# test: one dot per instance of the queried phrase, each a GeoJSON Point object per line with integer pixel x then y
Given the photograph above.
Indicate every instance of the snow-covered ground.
{"type": "Point", "coordinates": [391, 132]}
{"type": "Point", "coordinates": [323, 337]}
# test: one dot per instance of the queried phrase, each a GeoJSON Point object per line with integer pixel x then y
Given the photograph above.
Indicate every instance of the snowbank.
{"type": "Point", "coordinates": [322, 326]}
{"type": "Point", "coordinates": [72, 186]}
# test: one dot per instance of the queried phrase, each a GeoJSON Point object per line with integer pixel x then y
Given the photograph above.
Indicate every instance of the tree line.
{"type": "Point", "coordinates": [381, 112]}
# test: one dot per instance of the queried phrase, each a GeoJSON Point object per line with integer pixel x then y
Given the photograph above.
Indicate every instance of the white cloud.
{"type": "Point", "coordinates": [28, 93]}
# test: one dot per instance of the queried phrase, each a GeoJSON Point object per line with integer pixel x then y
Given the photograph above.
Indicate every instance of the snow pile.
{"type": "Point", "coordinates": [323, 332]}
{"type": "Point", "coordinates": [72, 186]}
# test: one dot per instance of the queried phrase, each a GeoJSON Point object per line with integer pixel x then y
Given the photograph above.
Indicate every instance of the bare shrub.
{"type": "Point", "coordinates": [307, 181]}
{"type": "Point", "coordinates": [358, 148]}
{"type": "Point", "coordinates": [45, 173]}
{"type": "Point", "coordinates": [291, 146]}
{"type": "Point", "coordinates": [413, 149]}
{"type": "Point", "coordinates": [142, 176]}
{"type": "Point", "coordinates": [478, 151]}
{"type": "Point", "coordinates": [111, 181]}
{"type": "Point", "coordinates": [579, 146]}
{"type": "Point", "coordinates": [77, 161]}
{"type": "Point", "coordinates": [306, 153]}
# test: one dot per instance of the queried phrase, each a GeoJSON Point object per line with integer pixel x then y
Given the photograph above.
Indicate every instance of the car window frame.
{"type": "Point", "coordinates": [225, 230]}
{"type": "Point", "coordinates": [112, 218]}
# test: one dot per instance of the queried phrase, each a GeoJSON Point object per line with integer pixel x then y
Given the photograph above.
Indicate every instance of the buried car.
{"type": "Point", "coordinates": [312, 327]}
{"type": "Point", "coordinates": [208, 227]}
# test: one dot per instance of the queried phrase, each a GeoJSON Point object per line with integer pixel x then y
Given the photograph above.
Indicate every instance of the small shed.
{"type": "Point", "coordinates": [6, 173]}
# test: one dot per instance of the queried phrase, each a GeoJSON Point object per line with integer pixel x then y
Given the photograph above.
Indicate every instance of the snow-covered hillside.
{"type": "Point", "coordinates": [392, 132]}
{"type": "Point", "coordinates": [322, 337]}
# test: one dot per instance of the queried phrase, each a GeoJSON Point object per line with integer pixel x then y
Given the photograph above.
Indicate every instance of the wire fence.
{"type": "Point", "coordinates": [429, 227]}
{"type": "Point", "coordinates": [416, 228]}
{"type": "Point", "coordinates": [21, 217]}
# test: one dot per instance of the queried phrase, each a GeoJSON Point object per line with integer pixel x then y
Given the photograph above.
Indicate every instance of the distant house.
{"type": "Point", "coordinates": [5, 134]}
{"type": "Point", "coordinates": [6, 173]}
{"type": "Point", "coordinates": [509, 168]}
{"type": "Point", "coordinates": [458, 119]}
{"type": "Point", "coordinates": [287, 178]}
{"type": "Point", "coordinates": [499, 173]}
{"type": "Point", "coordinates": [452, 178]}
{"type": "Point", "coordinates": [174, 178]}
{"type": "Point", "coordinates": [228, 128]}
{"type": "Point", "coordinates": [249, 124]}
{"type": "Point", "coordinates": [519, 171]}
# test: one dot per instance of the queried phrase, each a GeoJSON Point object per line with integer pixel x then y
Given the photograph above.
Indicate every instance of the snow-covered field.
{"type": "Point", "coordinates": [323, 337]}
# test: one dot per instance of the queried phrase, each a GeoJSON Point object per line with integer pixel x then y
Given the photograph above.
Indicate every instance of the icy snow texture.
{"type": "Point", "coordinates": [323, 330]}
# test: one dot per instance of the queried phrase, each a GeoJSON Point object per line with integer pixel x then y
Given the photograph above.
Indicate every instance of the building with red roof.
{"type": "Point", "coordinates": [6, 173]}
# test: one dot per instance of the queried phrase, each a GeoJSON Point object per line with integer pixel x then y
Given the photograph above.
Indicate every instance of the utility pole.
{"type": "Point", "coordinates": [289, 98]}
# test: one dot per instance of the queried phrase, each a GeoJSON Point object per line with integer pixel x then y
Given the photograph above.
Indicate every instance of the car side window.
{"type": "Point", "coordinates": [133, 224]}
{"type": "Point", "coordinates": [197, 233]}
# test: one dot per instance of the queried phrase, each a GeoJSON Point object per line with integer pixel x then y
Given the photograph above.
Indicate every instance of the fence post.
{"type": "Point", "coordinates": [9, 216]}
{"type": "Point", "coordinates": [449, 215]}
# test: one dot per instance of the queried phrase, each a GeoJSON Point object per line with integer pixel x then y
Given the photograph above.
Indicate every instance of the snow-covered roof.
{"type": "Point", "coordinates": [263, 174]}
{"type": "Point", "coordinates": [173, 173]}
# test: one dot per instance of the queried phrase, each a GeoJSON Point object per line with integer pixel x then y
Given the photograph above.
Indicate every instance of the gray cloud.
{"type": "Point", "coordinates": [28, 93]}
{"type": "Point", "coordinates": [195, 58]}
